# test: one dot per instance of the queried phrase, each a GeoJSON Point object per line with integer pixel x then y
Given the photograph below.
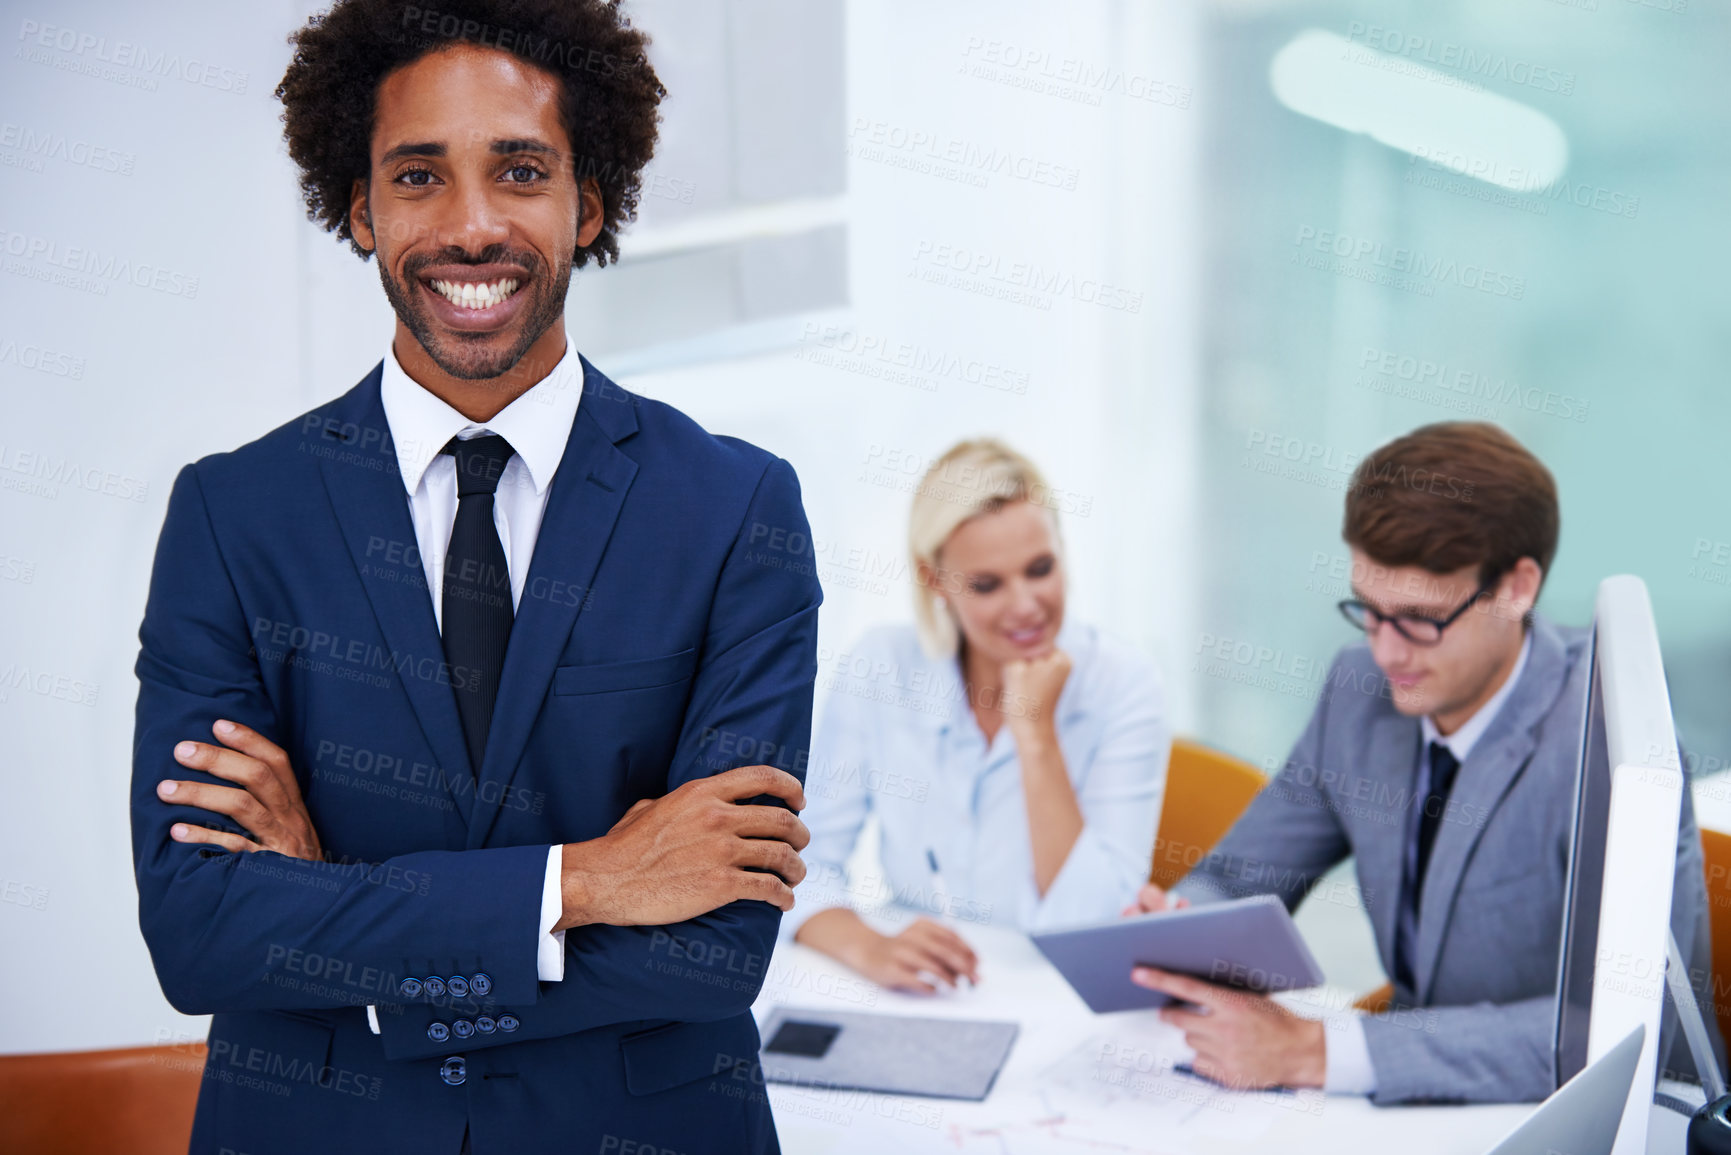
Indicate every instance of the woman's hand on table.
{"type": "Point", "coordinates": [923, 948]}
{"type": "Point", "coordinates": [907, 961]}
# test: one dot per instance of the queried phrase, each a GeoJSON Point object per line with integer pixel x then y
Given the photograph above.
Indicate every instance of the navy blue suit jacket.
{"type": "Point", "coordinates": [655, 643]}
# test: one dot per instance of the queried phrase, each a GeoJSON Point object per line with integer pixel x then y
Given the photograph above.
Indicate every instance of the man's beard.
{"type": "Point", "coordinates": [466, 356]}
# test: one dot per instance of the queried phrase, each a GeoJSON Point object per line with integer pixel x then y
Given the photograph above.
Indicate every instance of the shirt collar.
{"type": "Point", "coordinates": [1461, 742]}
{"type": "Point", "coordinates": [537, 423]}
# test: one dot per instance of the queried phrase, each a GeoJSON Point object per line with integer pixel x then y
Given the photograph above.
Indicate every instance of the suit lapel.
{"type": "Point", "coordinates": [1484, 779]}
{"type": "Point", "coordinates": [1480, 785]}
{"type": "Point", "coordinates": [371, 506]}
{"type": "Point", "coordinates": [587, 493]}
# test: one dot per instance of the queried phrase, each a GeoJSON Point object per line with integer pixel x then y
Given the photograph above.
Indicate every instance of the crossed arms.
{"type": "Point", "coordinates": [222, 920]}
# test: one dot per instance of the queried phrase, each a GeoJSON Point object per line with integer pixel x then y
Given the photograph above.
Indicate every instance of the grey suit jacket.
{"type": "Point", "coordinates": [1479, 1024]}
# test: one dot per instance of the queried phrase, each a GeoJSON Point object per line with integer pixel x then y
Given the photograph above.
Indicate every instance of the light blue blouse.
{"type": "Point", "coordinates": [898, 739]}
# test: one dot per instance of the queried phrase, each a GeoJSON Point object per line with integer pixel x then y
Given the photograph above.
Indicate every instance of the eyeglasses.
{"type": "Point", "coordinates": [1415, 628]}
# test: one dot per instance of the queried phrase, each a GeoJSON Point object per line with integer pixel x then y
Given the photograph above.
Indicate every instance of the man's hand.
{"type": "Point", "coordinates": [1241, 1039]}
{"type": "Point", "coordinates": [1150, 899]}
{"type": "Point", "coordinates": [689, 852]}
{"type": "Point", "coordinates": [268, 802]}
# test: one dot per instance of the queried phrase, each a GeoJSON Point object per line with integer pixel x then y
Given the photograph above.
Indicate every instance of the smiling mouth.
{"type": "Point", "coordinates": [475, 295]}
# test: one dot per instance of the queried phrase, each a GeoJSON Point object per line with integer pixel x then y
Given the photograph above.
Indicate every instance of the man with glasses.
{"type": "Point", "coordinates": [1441, 756]}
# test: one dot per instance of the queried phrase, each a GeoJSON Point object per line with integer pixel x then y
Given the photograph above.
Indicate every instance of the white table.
{"type": "Point", "coordinates": [1080, 1082]}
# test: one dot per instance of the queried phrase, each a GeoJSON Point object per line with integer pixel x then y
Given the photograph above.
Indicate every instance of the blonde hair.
{"type": "Point", "coordinates": [977, 476]}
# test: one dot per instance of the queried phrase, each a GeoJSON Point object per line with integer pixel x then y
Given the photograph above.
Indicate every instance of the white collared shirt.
{"type": "Point", "coordinates": [899, 740]}
{"type": "Point", "coordinates": [537, 424]}
{"type": "Point", "coordinates": [1347, 1067]}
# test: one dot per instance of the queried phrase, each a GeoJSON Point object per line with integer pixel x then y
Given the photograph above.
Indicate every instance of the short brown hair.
{"type": "Point", "coordinates": [1450, 495]}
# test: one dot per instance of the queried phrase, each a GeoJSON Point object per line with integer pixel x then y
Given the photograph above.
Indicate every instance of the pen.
{"type": "Point", "coordinates": [938, 884]}
{"type": "Point", "coordinates": [940, 887]}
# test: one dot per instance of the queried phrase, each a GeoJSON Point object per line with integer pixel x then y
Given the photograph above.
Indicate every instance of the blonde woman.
{"type": "Point", "coordinates": [1015, 760]}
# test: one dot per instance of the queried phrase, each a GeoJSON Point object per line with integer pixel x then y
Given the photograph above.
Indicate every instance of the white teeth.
{"type": "Point", "coordinates": [475, 295]}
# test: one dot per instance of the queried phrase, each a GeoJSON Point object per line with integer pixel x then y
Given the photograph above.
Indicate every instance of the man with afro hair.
{"type": "Point", "coordinates": [472, 716]}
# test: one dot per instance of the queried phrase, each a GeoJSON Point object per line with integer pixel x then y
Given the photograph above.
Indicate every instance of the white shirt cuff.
{"type": "Point", "coordinates": [550, 947]}
{"type": "Point", "coordinates": [373, 1018]}
{"type": "Point", "coordinates": [1347, 1069]}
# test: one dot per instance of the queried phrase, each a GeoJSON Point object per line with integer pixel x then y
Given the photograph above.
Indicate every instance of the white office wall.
{"type": "Point", "coordinates": [150, 179]}
{"type": "Point", "coordinates": [163, 164]}
{"type": "Point", "coordinates": [1106, 393]}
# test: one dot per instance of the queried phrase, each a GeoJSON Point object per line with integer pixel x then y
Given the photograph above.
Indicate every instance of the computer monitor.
{"type": "Point", "coordinates": [1622, 858]}
{"type": "Point", "coordinates": [1586, 873]}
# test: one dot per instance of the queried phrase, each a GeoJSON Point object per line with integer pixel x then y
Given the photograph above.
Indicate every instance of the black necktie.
{"type": "Point", "coordinates": [476, 599]}
{"type": "Point", "coordinates": [1443, 767]}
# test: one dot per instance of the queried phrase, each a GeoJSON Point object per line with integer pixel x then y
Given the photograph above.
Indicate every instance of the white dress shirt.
{"type": "Point", "coordinates": [898, 739]}
{"type": "Point", "coordinates": [537, 424]}
{"type": "Point", "coordinates": [1347, 1067]}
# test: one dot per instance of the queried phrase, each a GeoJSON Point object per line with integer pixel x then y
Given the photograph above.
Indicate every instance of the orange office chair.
{"type": "Point", "coordinates": [1206, 791]}
{"type": "Point", "coordinates": [138, 1100]}
{"type": "Point", "coordinates": [1376, 1001]}
{"type": "Point", "coordinates": [1716, 852]}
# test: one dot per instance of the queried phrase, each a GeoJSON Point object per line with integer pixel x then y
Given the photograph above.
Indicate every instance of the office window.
{"type": "Point", "coordinates": [1356, 291]}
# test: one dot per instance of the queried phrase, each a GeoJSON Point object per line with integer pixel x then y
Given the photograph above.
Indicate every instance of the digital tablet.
{"type": "Point", "coordinates": [1248, 943]}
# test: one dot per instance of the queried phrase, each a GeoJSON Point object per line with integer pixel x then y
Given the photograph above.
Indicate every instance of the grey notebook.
{"type": "Point", "coordinates": [893, 1054]}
